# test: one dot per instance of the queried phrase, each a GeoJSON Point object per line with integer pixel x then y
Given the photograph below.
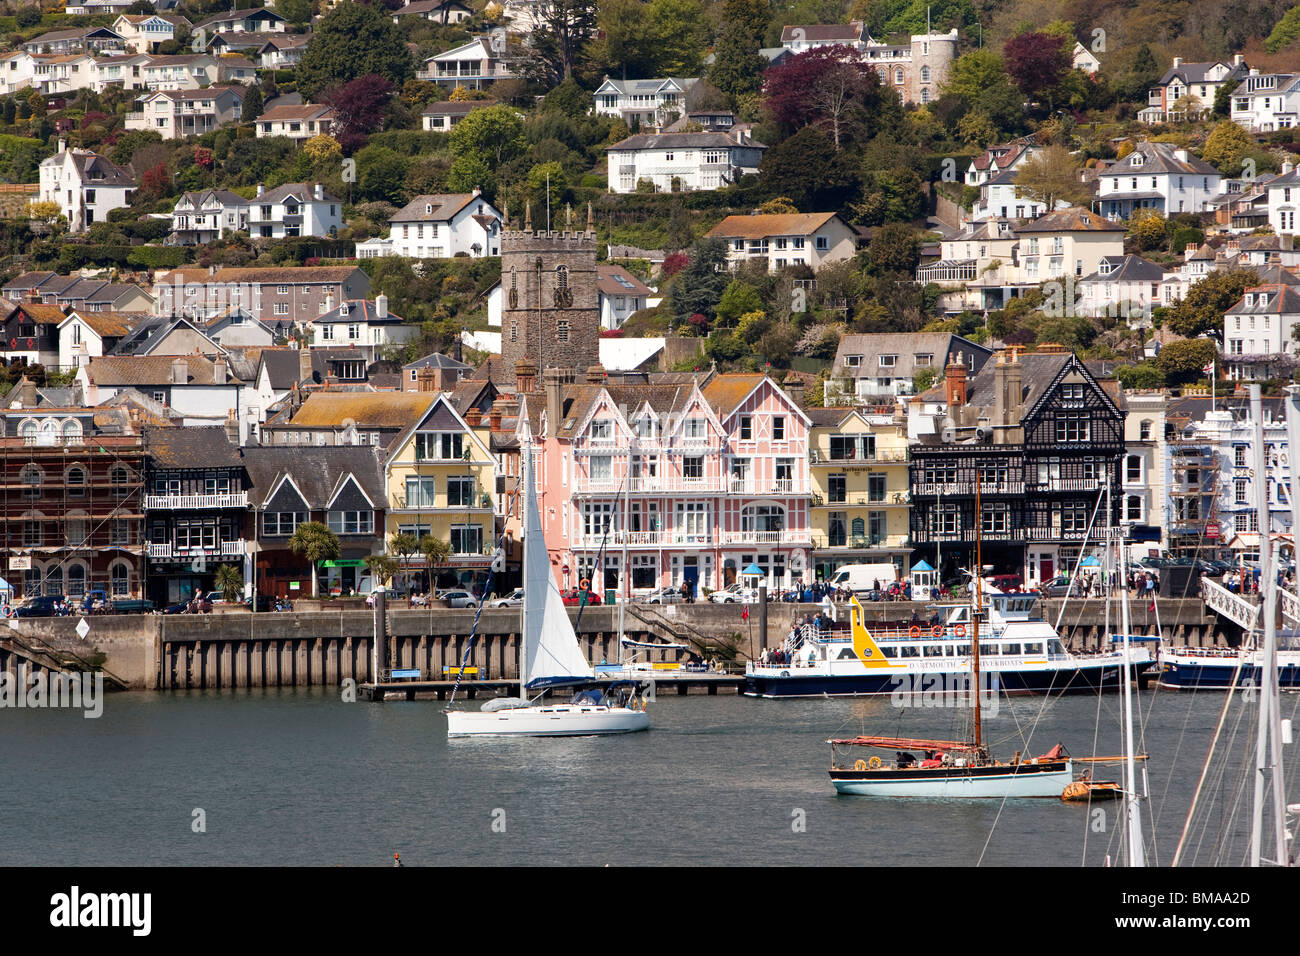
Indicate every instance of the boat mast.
{"type": "Point", "coordinates": [1132, 807]}
{"type": "Point", "coordinates": [627, 523]}
{"type": "Point", "coordinates": [530, 490]}
{"type": "Point", "coordinates": [975, 618]}
{"type": "Point", "coordinates": [1268, 745]}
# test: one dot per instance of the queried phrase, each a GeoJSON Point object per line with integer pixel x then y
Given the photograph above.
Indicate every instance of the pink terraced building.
{"type": "Point", "coordinates": [695, 479]}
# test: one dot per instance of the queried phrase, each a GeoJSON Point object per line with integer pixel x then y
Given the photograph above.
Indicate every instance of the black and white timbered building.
{"type": "Point", "coordinates": [1044, 440]}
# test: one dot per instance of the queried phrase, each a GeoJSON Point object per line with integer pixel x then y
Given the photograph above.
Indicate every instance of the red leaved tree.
{"type": "Point", "coordinates": [155, 183]}
{"type": "Point", "coordinates": [360, 106]}
{"type": "Point", "coordinates": [1037, 62]}
{"type": "Point", "coordinates": [829, 87]}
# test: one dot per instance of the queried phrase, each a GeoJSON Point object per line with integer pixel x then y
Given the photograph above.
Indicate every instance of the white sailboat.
{"type": "Point", "coordinates": [549, 657]}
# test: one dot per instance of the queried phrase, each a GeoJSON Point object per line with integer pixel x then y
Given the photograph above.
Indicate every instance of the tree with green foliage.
{"type": "Point", "coordinates": [403, 544]}
{"type": "Point", "coordinates": [437, 553]}
{"type": "Point", "coordinates": [494, 134]}
{"type": "Point", "coordinates": [895, 248]}
{"type": "Point", "coordinates": [28, 16]}
{"type": "Point", "coordinates": [625, 46]}
{"type": "Point", "coordinates": [1143, 375]}
{"type": "Point", "coordinates": [890, 195]}
{"type": "Point", "coordinates": [1202, 309]}
{"type": "Point", "coordinates": [381, 175]}
{"type": "Point", "coordinates": [699, 286]}
{"type": "Point", "coordinates": [979, 80]}
{"type": "Point", "coordinates": [1285, 32]}
{"type": "Point", "coordinates": [546, 185]}
{"type": "Point", "coordinates": [351, 41]}
{"type": "Point", "coordinates": [750, 16]}
{"type": "Point", "coordinates": [252, 103]}
{"type": "Point", "coordinates": [807, 170]}
{"type": "Point", "coordinates": [737, 67]}
{"type": "Point", "coordinates": [569, 98]}
{"type": "Point", "coordinates": [1226, 146]}
{"type": "Point", "coordinates": [557, 44]}
{"type": "Point", "coordinates": [1184, 361]}
{"type": "Point", "coordinates": [737, 299]}
{"type": "Point", "coordinates": [679, 35]}
{"type": "Point", "coordinates": [315, 542]}
{"type": "Point", "coordinates": [297, 12]}
{"type": "Point", "coordinates": [382, 567]}
{"type": "Point", "coordinates": [229, 580]}
{"type": "Point", "coordinates": [1146, 227]}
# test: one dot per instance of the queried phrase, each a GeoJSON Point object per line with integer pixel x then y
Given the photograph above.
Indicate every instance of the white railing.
{"type": "Point", "coordinates": [771, 486]}
{"type": "Point", "coordinates": [659, 483]}
{"type": "Point", "coordinates": [166, 549]}
{"type": "Point", "coordinates": [1290, 605]}
{"type": "Point", "coordinates": [191, 502]}
{"type": "Point", "coordinates": [790, 536]}
{"type": "Point", "coordinates": [1232, 606]}
{"type": "Point", "coordinates": [643, 539]}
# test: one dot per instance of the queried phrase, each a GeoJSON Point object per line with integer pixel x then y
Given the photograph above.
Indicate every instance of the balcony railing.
{"type": "Point", "coordinates": [779, 486]}
{"type": "Point", "coordinates": [860, 541]}
{"type": "Point", "coordinates": [225, 549]}
{"type": "Point", "coordinates": [401, 502]}
{"type": "Point", "coordinates": [655, 485]}
{"type": "Point", "coordinates": [968, 488]}
{"type": "Point", "coordinates": [820, 456]}
{"type": "Point", "coordinates": [195, 502]}
{"type": "Point", "coordinates": [646, 539]}
{"type": "Point", "coordinates": [1067, 484]}
{"type": "Point", "coordinates": [788, 536]}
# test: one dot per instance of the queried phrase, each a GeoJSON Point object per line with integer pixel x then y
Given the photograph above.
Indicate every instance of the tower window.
{"type": "Point", "coordinates": [514, 331]}
{"type": "Point", "coordinates": [562, 330]}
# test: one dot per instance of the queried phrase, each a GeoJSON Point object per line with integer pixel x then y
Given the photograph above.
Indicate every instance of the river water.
{"type": "Point", "coordinates": [301, 777]}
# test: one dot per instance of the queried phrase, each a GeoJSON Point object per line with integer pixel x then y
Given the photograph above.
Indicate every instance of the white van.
{"type": "Point", "coordinates": [862, 577]}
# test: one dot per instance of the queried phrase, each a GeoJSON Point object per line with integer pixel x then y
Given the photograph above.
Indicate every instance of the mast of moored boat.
{"type": "Point", "coordinates": [1268, 745]}
{"type": "Point", "coordinates": [529, 503]}
{"type": "Point", "coordinates": [975, 617]}
{"type": "Point", "coordinates": [1132, 808]}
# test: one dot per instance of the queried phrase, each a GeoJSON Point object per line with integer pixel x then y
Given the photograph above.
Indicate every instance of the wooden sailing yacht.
{"type": "Point", "coordinates": [951, 768]}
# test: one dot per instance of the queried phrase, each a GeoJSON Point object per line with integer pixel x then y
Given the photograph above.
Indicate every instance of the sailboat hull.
{"type": "Point", "coordinates": [562, 720]}
{"type": "Point", "coordinates": [1205, 670]}
{"type": "Point", "coordinates": [1044, 779]}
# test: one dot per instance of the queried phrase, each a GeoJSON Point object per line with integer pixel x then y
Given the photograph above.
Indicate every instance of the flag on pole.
{"type": "Point", "coordinates": [1209, 369]}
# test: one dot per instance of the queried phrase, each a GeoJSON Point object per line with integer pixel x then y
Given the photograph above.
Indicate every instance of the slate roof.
{"type": "Point", "coordinates": [317, 471]}
{"type": "Point", "coordinates": [607, 282]}
{"type": "Point", "coordinates": [682, 141]}
{"type": "Point", "coordinates": [1150, 158]}
{"type": "Point", "coordinates": [444, 207]}
{"type": "Point", "coordinates": [906, 346]}
{"type": "Point", "coordinates": [1073, 219]}
{"type": "Point", "coordinates": [1127, 269]}
{"type": "Point", "coordinates": [115, 370]}
{"type": "Point", "coordinates": [194, 446]}
{"type": "Point", "coordinates": [285, 114]}
{"type": "Point", "coordinates": [329, 409]}
{"type": "Point", "coordinates": [359, 310]}
{"type": "Point", "coordinates": [780, 224]}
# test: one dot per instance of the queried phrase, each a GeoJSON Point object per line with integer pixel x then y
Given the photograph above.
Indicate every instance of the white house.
{"type": "Point", "coordinates": [84, 40]}
{"type": "Point", "coordinates": [255, 20]}
{"type": "Point", "coordinates": [1000, 198]}
{"type": "Point", "coordinates": [63, 72]}
{"type": "Point", "coordinates": [87, 335]}
{"type": "Point", "coordinates": [476, 64]}
{"type": "Point", "coordinates": [682, 162]}
{"type": "Point", "coordinates": [299, 123]}
{"type": "Point", "coordinates": [621, 294]}
{"type": "Point", "coordinates": [1127, 286]}
{"type": "Point", "coordinates": [1168, 101]}
{"type": "Point", "coordinates": [17, 70]}
{"type": "Point", "coordinates": [1283, 200]}
{"type": "Point", "coordinates": [1081, 58]}
{"type": "Point", "coordinates": [786, 239]}
{"type": "Point", "coordinates": [200, 217]}
{"type": "Point", "coordinates": [1267, 102]}
{"type": "Point", "coordinates": [1259, 328]}
{"type": "Point", "coordinates": [202, 390]}
{"type": "Point", "coordinates": [1157, 176]}
{"type": "Point", "coordinates": [363, 325]}
{"type": "Point", "coordinates": [647, 102]}
{"type": "Point", "coordinates": [294, 209]}
{"type": "Point", "coordinates": [86, 186]}
{"type": "Point", "coordinates": [998, 159]}
{"type": "Point", "coordinates": [439, 227]}
{"type": "Point", "coordinates": [281, 51]}
{"type": "Point", "coordinates": [125, 70]}
{"type": "Point", "coordinates": [143, 33]}
{"type": "Point", "coordinates": [175, 114]}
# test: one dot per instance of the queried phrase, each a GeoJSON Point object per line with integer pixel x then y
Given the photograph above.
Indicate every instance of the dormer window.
{"type": "Point", "coordinates": [428, 209]}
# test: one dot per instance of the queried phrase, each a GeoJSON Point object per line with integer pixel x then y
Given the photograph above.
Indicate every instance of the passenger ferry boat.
{"type": "Point", "coordinates": [1214, 668]}
{"type": "Point", "coordinates": [1020, 652]}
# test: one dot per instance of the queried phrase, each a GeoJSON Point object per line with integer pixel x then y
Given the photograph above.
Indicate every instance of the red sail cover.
{"type": "Point", "coordinates": [906, 743]}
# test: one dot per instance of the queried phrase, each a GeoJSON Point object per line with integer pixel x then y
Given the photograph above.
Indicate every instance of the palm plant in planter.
{"type": "Point", "coordinates": [315, 542]}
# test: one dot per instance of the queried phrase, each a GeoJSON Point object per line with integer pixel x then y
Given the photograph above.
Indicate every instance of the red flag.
{"type": "Point", "coordinates": [744, 615]}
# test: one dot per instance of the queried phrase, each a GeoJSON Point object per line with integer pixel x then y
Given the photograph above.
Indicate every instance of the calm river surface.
{"type": "Point", "coordinates": [299, 777]}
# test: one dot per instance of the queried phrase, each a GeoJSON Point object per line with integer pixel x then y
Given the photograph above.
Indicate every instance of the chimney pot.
{"type": "Point", "coordinates": [319, 192]}
{"type": "Point", "coordinates": [954, 382]}
{"type": "Point", "coordinates": [261, 189]}
{"type": "Point", "coordinates": [381, 306]}
{"type": "Point", "coordinates": [473, 418]}
{"type": "Point", "coordinates": [525, 376]}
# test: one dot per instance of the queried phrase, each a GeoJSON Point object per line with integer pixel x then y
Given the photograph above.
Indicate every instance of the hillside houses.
{"type": "Point", "coordinates": [682, 162]}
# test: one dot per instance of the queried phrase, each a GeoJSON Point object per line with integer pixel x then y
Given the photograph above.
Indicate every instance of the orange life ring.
{"type": "Point", "coordinates": [959, 630]}
{"type": "Point", "coordinates": [585, 584]}
{"type": "Point", "coordinates": [936, 631]}
{"type": "Point", "coordinates": [914, 631]}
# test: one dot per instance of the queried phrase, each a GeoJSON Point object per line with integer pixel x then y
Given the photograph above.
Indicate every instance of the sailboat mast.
{"type": "Point", "coordinates": [627, 523]}
{"type": "Point", "coordinates": [1132, 808]}
{"type": "Point", "coordinates": [975, 617]}
{"type": "Point", "coordinates": [1268, 747]}
{"type": "Point", "coordinates": [526, 461]}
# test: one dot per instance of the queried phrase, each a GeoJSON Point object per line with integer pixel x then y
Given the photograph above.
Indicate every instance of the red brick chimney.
{"type": "Point", "coordinates": [494, 418]}
{"type": "Point", "coordinates": [473, 418]}
{"type": "Point", "coordinates": [525, 376]}
{"type": "Point", "coordinates": [954, 382]}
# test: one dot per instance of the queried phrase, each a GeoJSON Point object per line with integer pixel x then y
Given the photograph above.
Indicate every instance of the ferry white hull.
{"type": "Point", "coordinates": [1024, 780]}
{"type": "Point", "coordinates": [561, 720]}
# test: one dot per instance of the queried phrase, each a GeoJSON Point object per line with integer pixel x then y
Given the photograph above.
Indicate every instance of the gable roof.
{"type": "Point", "coordinates": [905, 346]}
{"type": "Point", "coordinates": [615, 280]}
{"type": "Point", "coordinates": [330, 409]}
{"type": "Point", "coordinates": [1128, 268]}
{"type": "Point", "coordinates": [117, 370]}
{"type": "Point", "coordinates": [1160, 158]}
{"type": "Point", "coordinates": [194, 446]}
{"type": "Point", "coordinates": [683, 141]}
{"type": "Point", "coordinates": [441, 207]}
{"type": "Point", "coordinates": [1073, 219]}
{"type": "Point", "coordinates": [316, 472]}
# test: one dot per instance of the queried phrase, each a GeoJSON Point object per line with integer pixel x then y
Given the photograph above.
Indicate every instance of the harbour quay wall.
{"type": "Point", "coordinates": [325, 647]}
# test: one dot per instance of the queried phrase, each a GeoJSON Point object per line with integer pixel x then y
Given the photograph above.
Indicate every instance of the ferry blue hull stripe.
{"type": "Point", "coordinates": [1064, 681]}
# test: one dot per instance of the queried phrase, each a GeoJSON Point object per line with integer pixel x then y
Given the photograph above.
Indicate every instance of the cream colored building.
{"type": "Point", "coordinates": [858, 461]}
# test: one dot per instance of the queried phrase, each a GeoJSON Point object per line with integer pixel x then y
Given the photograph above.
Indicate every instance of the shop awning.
{"type": "Point", "coordinates": [344, 563]}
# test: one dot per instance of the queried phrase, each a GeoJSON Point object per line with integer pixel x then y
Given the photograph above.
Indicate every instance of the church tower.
{"type": "Point", "coordinates": [550, 310]}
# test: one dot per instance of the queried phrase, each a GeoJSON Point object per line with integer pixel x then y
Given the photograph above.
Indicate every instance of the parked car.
{"type": "Point", "coordinates": [1060, 586]}
{"type": "Point", "coordinates": [46, 605]}
{"type": "Point", "coordinates": [1008, 583]}
{"type": "Point", "coordinates": [514, 599]}
{"type": "Point", "coordinates": [735, 594]}
{"type": "Point", "coordinates": [664, 595]}
{"type": "Point", "coordinates": [456, 597]}
{"type": "Point", "coordinates": [264, 603]}
{"type": "Point", "coordinates": [96, 602]}
{"type": "Point", "coordinates": [573, 597]}
{"type": "Point", "coordinates": [131, 606]}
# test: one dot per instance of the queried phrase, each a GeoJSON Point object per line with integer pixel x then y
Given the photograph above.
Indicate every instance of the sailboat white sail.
{"type": "Point", "coordinates": [550, 656]}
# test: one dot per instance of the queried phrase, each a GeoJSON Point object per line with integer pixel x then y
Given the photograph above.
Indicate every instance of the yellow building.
{"type": "Point", "coordinates": [440, 477]}
{"type": "Point", "coordinates": [860, 487]}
